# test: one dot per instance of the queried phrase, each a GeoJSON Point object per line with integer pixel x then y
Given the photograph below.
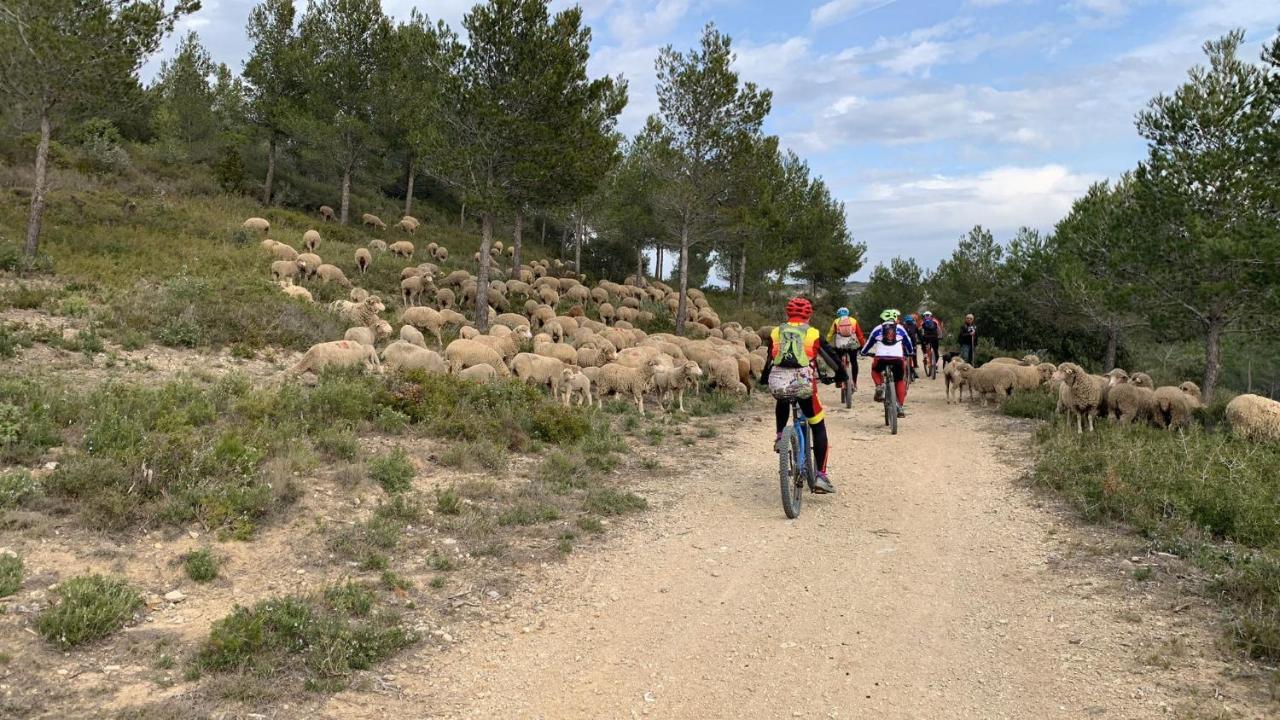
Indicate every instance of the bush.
{"type": "Point", "coordinates": [201, 565]}
{"type": "Point", "coordinates": [10, 574]}
{"type": "Point", "coordinates": [607, 501]}
{"type": "Point", "coordinates": [393, 471]}
{"type": "Point", "coordinates": [16, 488]}
{"type": "Point", "coordinates": [472, 456]}
{"type": "Point", "coordinates": [89, 608]}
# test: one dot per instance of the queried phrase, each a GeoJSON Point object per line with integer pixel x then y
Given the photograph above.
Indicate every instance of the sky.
{"type": "Point", "coordinates": [925, 117]}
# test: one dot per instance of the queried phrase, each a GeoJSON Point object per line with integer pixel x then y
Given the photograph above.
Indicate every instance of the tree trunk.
{"type": "Point", "coordinates": [657, 264]}
{"type": "Point", "coordinates": [544, 233]}
{"type": "Point", "coordinates": [1212, 357]}
{"type": "Point", "coordinates": [271, 170]}
{"type": "Point", "coordinates": [482, 277]}
{"type": "Point", "coordinates": [577, 243]}
{"type": "Point", "coordinates": [36, 218]}
{"type": "Point", "coordinates": [462, 216]}
{"type": "Point", "coordinates": [640, 265]}
{"type": "Point", "coordinates": [682, 310]}
{"type": "Point", "coordinates": [408, 189]}
{"type": "Point", "coordinates": [346, 195]}
{"type": "Point", "coordinates": [564, 238]}
{"type": "Point", "coordinates": [1113, 343]}
{"type": "Point", "coordinates": [517, 238]}
{"type": "Point", "coordinates": [742, 276]}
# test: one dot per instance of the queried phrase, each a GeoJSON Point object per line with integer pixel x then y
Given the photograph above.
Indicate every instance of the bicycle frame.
{"type": "Point", "coordinates": [800, 426]}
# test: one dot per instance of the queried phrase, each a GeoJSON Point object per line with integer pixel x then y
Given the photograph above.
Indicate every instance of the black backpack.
{"type": "Point", "coordinates": [889, 333]}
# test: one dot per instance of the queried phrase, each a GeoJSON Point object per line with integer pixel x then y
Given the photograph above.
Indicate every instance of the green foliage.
{"type": "Point", "coordinates": [16, 488]}
{"type": "Point", "coordinates": [1034, 404]}
{"type": "Point", "coordinates": [607, 501]}
{"type": "Point", "coordinates": [899, 285]}
{"type": "Point", "coordinates": [201, 565]}
{"type": "Point", "coordinates": [529, 513]}
{"type": "Point", "coordinates": [473, 456]}
{"type": "Point", "coordinates": [325, 637]}
{"type": "Point", "coordinates": [394, 471]}
{"type": "Point", "coordinates": [88, 608]}
{"type": "Point", "coordinates": [10, 574]}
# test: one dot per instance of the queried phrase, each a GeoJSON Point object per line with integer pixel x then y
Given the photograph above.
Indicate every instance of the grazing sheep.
{"type": "Point", "coordinates": [1030, 377]}
{"type": "Point", "coordinates": [575, 383]}
{"type": "Point", "coordinates": [1254, 417]}
{"type": "Point", "coordinates": [406, 226]}
{"type": "Point", "coordinates": [338, 353]}
{"type": "Point", "coordinates": [535, 369]}
{"type": "Point", "coordinates": [723, 372]}
{"type": "Point", "coordinates": [411, 219]}
{"type": "Point", "coordinates": [672, 382]}
{"type": "Point", "coordinates": [363, 260]}
{"type": "Point", "coordinates": [606, 312]}
{"type": "Point", "coordinates": [404, 355]}
{"type": "Point", "coordinates": [309, 262]}
{"type": "Point", "coordinates": [997, 380]}
{"type": "Point", "coordinates": [364, 312]}
{"type": "Point", "coordinates": [1174, 407]}
{"type": "Point", "coordinates": [358, 294]}
{"type": "Point", "coordinates": [294, 291]}
{"type": "Point", "coordinates": [282, 269]}
{"type": "Point", "coordinates": [257, 224]}
{"type": "Point", "coordinates": [481, 373]}
{"type": "Point", "coordinates": [462, 354]}
{"type": "Point", "coordinates": [425, 318]}
{"type": "Point", "coordinates": [412, 335]}
{"type": "Point", "coordinates": [507, 345]}
{"type": "Point", "coordinates": [311, 240]}
{"type": "Point", "coordinates": [280, 251]}
{"type": "Point", "coordinates": [445, 298]}
{"type": "Point", "coordinates": [377, 245]}
{"type": "Point", "coordinates": [371, 220]}
{"type": "Point", "coordinates": [1130, 398]}
{"type": "Point", "coordinates": [441, 253]}
{"type": "Point", "coordinates": [412, 288]}
{"type": "Point", "coordinates": [560, 351]}
{"type": "Point", "coordinates": [332, 273]}
{"type": "Point", "coordinates": [617, 379]}
{"type": "Point", "coordinates": [361, 334]}
{"type": "Point", "coordinates": [1079, 394]}
{"type": "Point", "coordinates": [401, 248]}
{"type": "Point", "coordinates": [591, 354]}
{"type": "Point", "coordinates": [327, 214]}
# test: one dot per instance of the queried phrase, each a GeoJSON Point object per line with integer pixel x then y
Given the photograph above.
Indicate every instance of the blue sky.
{"type": "Point", "coordinates": [924, 116]}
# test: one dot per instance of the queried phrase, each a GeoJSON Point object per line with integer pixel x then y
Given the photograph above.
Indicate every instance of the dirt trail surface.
{"type": "Point", "coordinates": [931, 586]}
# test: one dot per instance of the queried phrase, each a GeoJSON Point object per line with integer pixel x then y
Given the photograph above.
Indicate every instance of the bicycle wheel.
{"type": "Point", "coordinates": [846, 392]}
{"type": "Point", "coordinates": [790, 475]}
{"type": "Point", "coordinates": [891, 402]}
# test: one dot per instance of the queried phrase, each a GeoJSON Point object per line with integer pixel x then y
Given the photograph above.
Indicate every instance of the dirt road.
{"type": "Point", "coordinates": [927, 588]}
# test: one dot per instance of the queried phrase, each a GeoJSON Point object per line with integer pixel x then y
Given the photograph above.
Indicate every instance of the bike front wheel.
{"type": "Point", "coordinates": [791, 475]}
{"type": "Point", "coordinates": [891, 403]}
{"type": "Point", "coordinates": [846, 393]}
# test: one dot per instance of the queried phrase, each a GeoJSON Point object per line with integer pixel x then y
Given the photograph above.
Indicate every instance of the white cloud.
{"type": "Point", "coordinates": [836, 10]}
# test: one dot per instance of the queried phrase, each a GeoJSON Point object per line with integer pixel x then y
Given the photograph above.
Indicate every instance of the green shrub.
{"type": "Point", "coordinates": [449, 502]}
{"type": "Point", "coordinates": [201, 565]}
{"type": "Point", "coordinates": [337, 443]}
{"type": "Point", "coordinates": [16, 488]}
{"type": "Point", "coordinates": [88, 608]}
{"type": "Point", "coordinates": [607, 501]}
{"type": "Point", "coordinates": [10, 574]}
{"type": "Point", "coordinates": [393, 471]}
{"type": "Point", "coordinates": [529, 513]}
{"type": "Point", "coordinates": [472, 456]}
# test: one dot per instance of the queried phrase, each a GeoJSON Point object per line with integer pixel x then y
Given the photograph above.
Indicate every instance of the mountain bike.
{"type": "Point", "coordinates": [846, 393]}
{"type": "Point", "coordinates": [930, 363]}
{"type": "Point", "coordinates": [797, 466]}
{"type": "Point", "coordinates": [890, 399]}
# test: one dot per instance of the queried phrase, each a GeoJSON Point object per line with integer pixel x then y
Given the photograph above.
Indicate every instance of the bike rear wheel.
{"type": "Point", "coordinates": [846, 392]}
{"type": "Point", "coordinates": [791, 475]}
{"type": "Point", "coordinates": [890, 402]}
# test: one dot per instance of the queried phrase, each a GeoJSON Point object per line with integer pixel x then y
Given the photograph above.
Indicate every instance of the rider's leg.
{"type": "Point", "coordinates": [781, 414]}
{"type": "Point", "coordinates": [853, 369]}
{"type": "Point", "coordinates": [900, 386]}
{"type": "Point", "coordinates": [812, 408]}
{"type": "Point", "coordinates": [877, 378]}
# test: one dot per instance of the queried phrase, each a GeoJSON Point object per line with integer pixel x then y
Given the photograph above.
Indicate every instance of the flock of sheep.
{"type": "Point", "coordinates": [539, 329]}
{"type": "Point", "coordinates": [1117, 395]}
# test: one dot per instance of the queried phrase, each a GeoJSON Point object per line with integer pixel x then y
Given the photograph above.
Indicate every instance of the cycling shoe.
{"type": "Point", "coordinates": [823, 486]}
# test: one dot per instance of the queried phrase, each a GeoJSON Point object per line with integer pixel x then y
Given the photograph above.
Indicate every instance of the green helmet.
{"type": "Point", "coordinates": [890, 315]}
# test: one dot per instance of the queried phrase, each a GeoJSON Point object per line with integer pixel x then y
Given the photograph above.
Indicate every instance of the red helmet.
{"type": "Point", "coordinates": [800, 309]}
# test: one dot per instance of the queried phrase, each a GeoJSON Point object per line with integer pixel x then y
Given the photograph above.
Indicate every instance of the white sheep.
{"type": "Point", "coordinates": [406, 355]}
{"type": "Point", "coordinates": [560, 351]}
{"type": "Point", "coordinates": [1130, 398]}
{"type": "Point", "coordinates": [412, 288]}
{"type": "Point", "coordinates": [339, 354]}
{"type": "Point", "coordinates": [280, 251]}
{"type": "Point", "coordinates": [401, 248]}
{"type": "Point", "coordinates": [371, 220]}
{"type": "Point", "coordinates": [997, 381]}
{"type": "Point", "coordinates": [257, 224]}
{"type": "Point", "coordinates": [616, 379]}
{"type": "Point", "coordinates": [463, 353]}
{"type": "Point", "coordinates": [482, 373]}
{"type": "Point", "coordinates": [377, 245]}
{"type": "Point", "coordinates": [282, 269]}
{"type": "Point", "coordinates": [1174, 407]}
{"type": "Point", "coordinates": [575, 383]}
{"type": "Point", "coordinates": [412, 335]}
{"type": "Point", "coordinates": [538, 370]}
{"type": "Point", "coordinates": [724, 372]}
{"type": "Point", "coordinates": [1078, 393]}
{"type": "Point", "coordinates": [311, 240]}
{"type": "Point", "coordinates": [363, 260]}
{"type": "Point", "coordinates": [954, 379]}
{"type": "Point", "coordinates": [406, 226]}
{"type": "Point", "coordinates": [332, 273]}
{"type": "Point", "coordinates": [309, 262]}
{"type": "Point", "coordinates": [1254, 417]}
{"type": "Point", "coordinates": [441, 253]}
{"type": "Point", "coordinates": [425, 318]}
{"type": "Point", "coordinates": [295, 291]}
{"type": "Point", "coordinates": [327, 214]}
{"type": "Point", "coordinates": [672, 382]}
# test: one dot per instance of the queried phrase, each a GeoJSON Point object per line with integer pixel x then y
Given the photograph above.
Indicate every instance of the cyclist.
{"type": "Point", "coordinates": [846, 336]}
{"type": "Point", "coordinates": [891, 345]}
{"type": "Point", "coordinates": [930, 332]}
{"type": "Point", "coordinates": [913, 332]}
{"type": "Point", "coordinates": [968, 338]}
{"type": "Point", "coordinates": [793, 351]}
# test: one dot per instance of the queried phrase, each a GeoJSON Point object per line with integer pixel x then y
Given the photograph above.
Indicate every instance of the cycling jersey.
{"type": "Point", "coordinates": [833, 331]}
{"type": "Point", "coordinates": [874, 345]}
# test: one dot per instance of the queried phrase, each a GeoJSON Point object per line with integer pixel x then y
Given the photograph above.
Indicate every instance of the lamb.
{"type": "Point", "coordinates": [616, 379]}
{"type": "Point", "coordinates": [282, 269]}
{"type": "Point", "coordinates": [481, 373]}
{"type": "Point", "coordinates": [1254, 417]}
{"type": "Point", "coordinates": [575, 383]}
{"type": "Point", "coordinates": [412, 335]}
{"type": "Point", "coordinates": [371, 220]}
{"type": "Point", "coordinates": [327, 214]}
{"type": "Point", "coordinates": [402, 355]}
{"type": "Point", "coordinates": [989, 380]}
{"type": "Point", "coordinates": [462, 354]}
{"type": "Point", "coordinates": [445, 298]}
{"type": "Point", "coordinates": [257, 224]}
{"type": "Point", "coordinates": [309, 262]}
{"type": "Point", "coordinates": [339, 354]}
{"type": "Point", "coordinates": [441, 254]}
{"type": "Point", "coordinates": [401, 248]}
{"type": "Point", "coordinates": [280, 251]}
{"type": "Point", "coordinates": [363, 260]}
{"type": "Point", "coordinates": [411, 288]}
{"type": "Point", "coordinates": [311, 240]}
{"type": "Point", "coordinates": [1079, 394]}
{"type": "Point", "coordinates": [1129, 398]}
{"type": "Point", "coordinates": [723, 372]}
{"type": "Point", "coordinates": [672, 382]}
{"type": "Point", "coordinates": [425, 318]}
{"type": "Point", "coordinates": [1174, 407]}
{"type": "Point", "coordinates": [332, 273]}
{"type": "Point", "coordinates": [535, 369]}
{"type": "Point", "coordinates": [295, 291]}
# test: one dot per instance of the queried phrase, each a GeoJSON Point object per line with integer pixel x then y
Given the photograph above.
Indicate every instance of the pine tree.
{"type": "Point", "coordinates": [273, 76]}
